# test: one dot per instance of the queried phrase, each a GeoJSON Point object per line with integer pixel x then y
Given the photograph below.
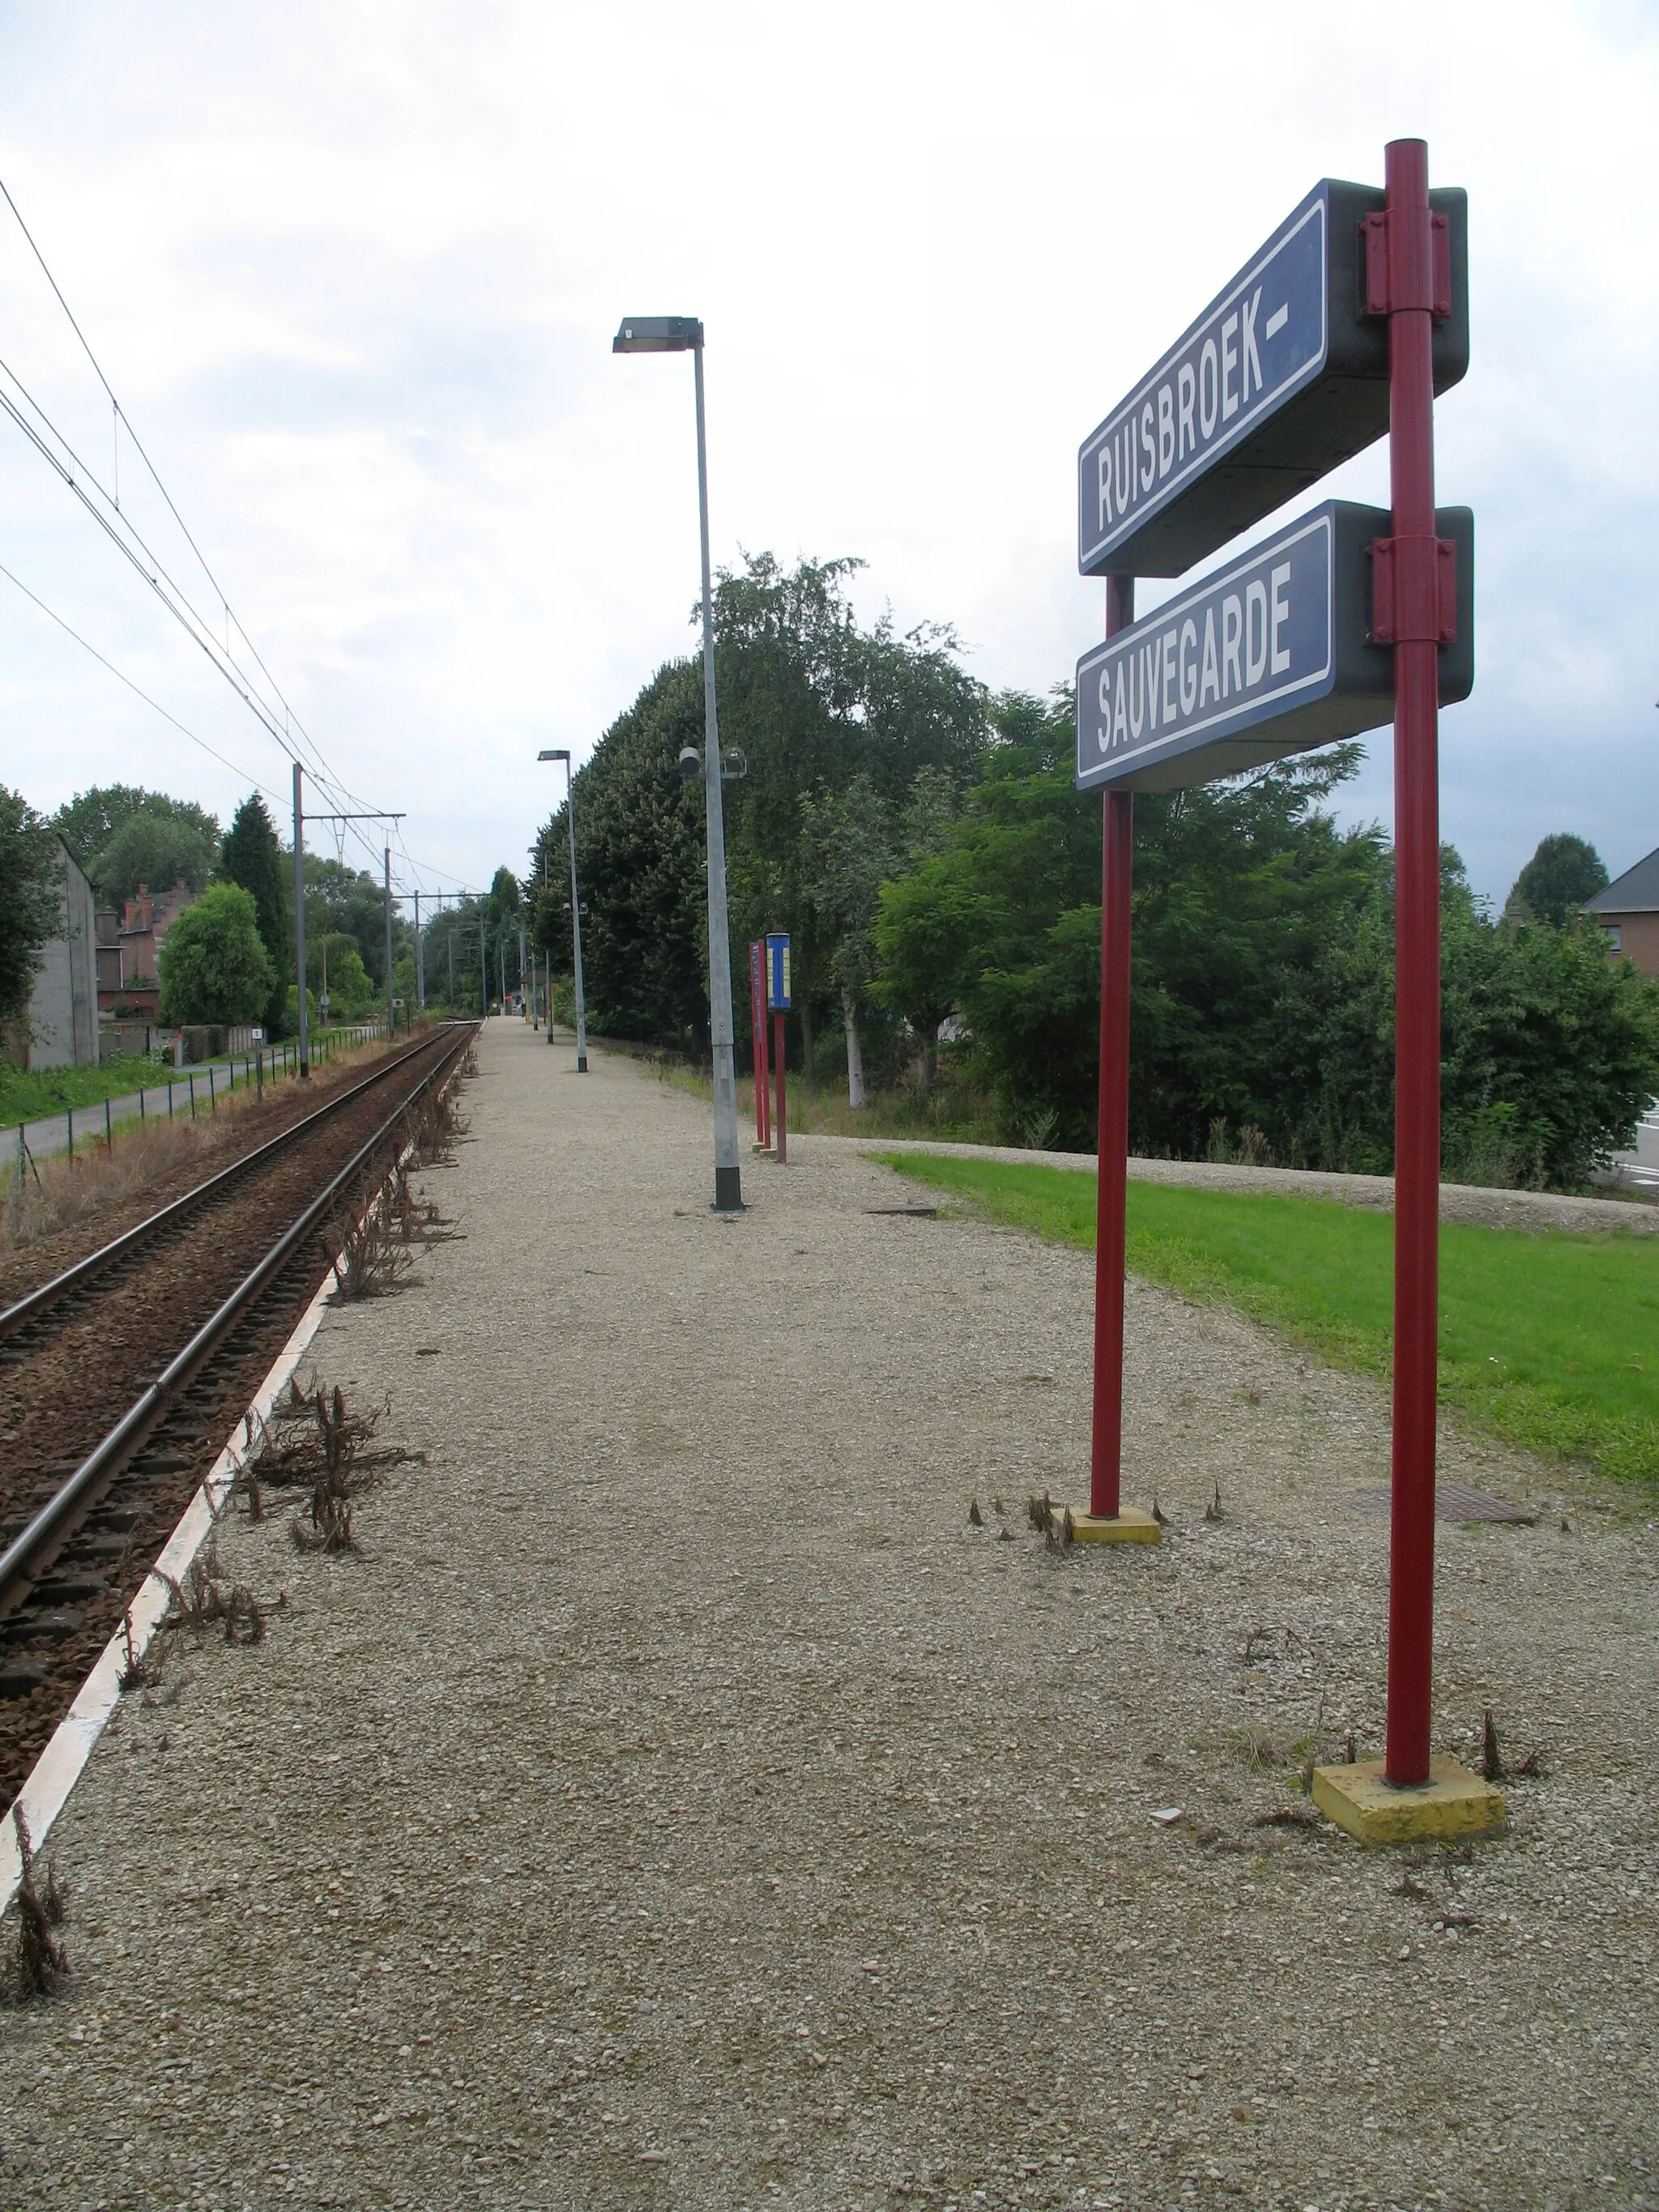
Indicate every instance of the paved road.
{"type": "Point", "coordinates": [192, 1090]}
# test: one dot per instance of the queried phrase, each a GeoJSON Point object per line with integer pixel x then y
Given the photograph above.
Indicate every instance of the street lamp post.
{"type": "Point", "coordinates": [563, 754]}
{"type": "Point", "coordinates": [684, 334]}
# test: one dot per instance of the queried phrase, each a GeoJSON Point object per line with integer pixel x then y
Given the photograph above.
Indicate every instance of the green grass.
{"type": "Point", "coordinates": [1551, 1341]}
{"type": "Point", "coordinates": [25, 1096]}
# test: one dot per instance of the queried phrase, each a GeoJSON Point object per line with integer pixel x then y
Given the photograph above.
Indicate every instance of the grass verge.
{"type": "Point", "coordinates": [1547, 1340]}
{"type": "Point", "coordinates": [30, 1095]}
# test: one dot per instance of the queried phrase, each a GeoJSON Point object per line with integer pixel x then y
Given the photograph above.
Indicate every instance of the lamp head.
{"type": "Point", "coordinates": [563, 754]}
{"type": "Point", "coordinates": [657, 334]}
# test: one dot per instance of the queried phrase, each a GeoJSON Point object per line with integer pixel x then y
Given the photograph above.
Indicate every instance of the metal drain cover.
{"type": "Point", "coordinates": [1454, 1501]}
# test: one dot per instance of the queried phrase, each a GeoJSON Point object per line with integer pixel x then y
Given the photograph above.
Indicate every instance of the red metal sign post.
{"type": "Point", "coordinates": [757, 1028]}
{"type": "Point", "coordinates": [1106, 1453]}
{"type": "Point", "coordinates": [1408, 279]}
{"type": "Point", "coordinates": [782, 1123]}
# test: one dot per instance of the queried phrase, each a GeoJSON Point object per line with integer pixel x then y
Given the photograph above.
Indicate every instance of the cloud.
{"type": "Point", "coordinates": [354, 272]}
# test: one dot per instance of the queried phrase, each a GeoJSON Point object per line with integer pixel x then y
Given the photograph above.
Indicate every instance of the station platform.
{"type": "Point", "coordinates": [678, 1801]}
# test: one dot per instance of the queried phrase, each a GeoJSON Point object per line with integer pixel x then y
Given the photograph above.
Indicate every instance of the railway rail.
{"type": "Point", "coordinates": [93, 1475]}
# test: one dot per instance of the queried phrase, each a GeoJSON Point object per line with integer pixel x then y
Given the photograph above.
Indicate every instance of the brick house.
{"type": "Point", "coordinates": [1628, 913]}
{"type": "Point", "coordinates": [128, 949]}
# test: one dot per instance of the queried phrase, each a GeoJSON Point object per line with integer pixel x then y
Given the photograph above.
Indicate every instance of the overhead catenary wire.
{"type": "Point", "coordinates": [70, 631]}
{"type": "Point", "coordinates": [288, 731]}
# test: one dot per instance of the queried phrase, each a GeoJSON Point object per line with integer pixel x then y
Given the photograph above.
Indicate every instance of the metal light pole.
{"type": "Point", "coordinates": [300, 918]}
{"type": "Point", "coordinates": [685, 334]}
{"type": "Point", "coordinates": [391, 1004]}
{"type": "Point", "coordinates": [575, 920]}
{"type": "Point", "coordinates": [420, 959]}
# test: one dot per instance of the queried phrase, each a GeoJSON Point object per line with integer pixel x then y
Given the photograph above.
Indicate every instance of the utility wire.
{"type": "Point", "coordinates": [179, 604]}
{"type": "Point", "coordinates": [235, 769]}
{"type": "Point", "coordinates": [292, 735]}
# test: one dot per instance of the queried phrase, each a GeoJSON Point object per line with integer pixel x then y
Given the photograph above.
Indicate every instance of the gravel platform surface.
{"type": "Point", "coordinates": [676, 1802]}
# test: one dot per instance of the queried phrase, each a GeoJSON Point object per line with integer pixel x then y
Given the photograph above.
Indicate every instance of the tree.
{"type": "Point", "coordinates": [640, 859]}
{"type": "Point", "coordinates": [31, 874]}
{"type": "Point", "coordinates": [335, 962]}
{"type": "Point", "coordinates": [160, 845]}
{"type": "Point", "coordinates": [87, 821]}
{"type": "Point", "coordinates": [252, 857]}
{"type": "Point", "coordinates": [847, 852]}
{"type": "Point", "coordinates": [214, 969]}
{"type": "Point", "coordinates": [814, 700]}
{"type": "Point", "coordinates": [1562, 876]}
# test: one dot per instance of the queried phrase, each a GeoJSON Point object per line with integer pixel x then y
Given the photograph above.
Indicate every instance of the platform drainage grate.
{"type": "Point", "coordinates": [1454, 1501]}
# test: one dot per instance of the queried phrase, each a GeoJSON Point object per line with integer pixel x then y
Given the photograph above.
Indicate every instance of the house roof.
{"type": "Point", "coordinates": [1636, 891]}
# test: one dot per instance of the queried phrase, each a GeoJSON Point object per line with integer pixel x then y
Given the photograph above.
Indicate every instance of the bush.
{"type": "Point", "coordinates": [213, 968]}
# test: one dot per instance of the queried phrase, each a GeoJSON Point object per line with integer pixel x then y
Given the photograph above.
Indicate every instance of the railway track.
{"type": "Point", "coordinates": [120, 1379]}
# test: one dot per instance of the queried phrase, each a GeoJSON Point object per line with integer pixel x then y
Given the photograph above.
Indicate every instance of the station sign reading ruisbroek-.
{"type": "Point", "coordinates": [1285, 374]}
{"type": "Point", "coordinates": [1273, 654]}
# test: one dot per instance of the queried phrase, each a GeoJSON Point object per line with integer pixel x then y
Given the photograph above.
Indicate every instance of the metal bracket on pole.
{"type": "Point", "coordinates": [1403, 269]}
{"type": "Point", "coordinates": [1413, 590]}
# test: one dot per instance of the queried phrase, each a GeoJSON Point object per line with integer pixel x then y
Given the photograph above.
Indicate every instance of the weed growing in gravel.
{"type": "Point", "coordinates": [205, 1599]}
{"type": "Point", "coordinates": [436, 1125]}
{"type": "Point", "coordinates": [370, 1259]}
{"type": "Point", "coordinates": [40, 1963]}
{"type": "Point", "coordinates": [314, 1442]}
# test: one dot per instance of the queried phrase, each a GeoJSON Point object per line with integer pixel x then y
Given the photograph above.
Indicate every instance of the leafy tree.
{"type": "Point", "coordinates": [351, 902]}
{"type": "Point", "coordinates": [1549, 1050]}
{"type": "Point", "coordinates": [640, 858]}
{"type": "Point", "coordinates": [847, 852]}
{"type": "Point", "coordinates": [503, 914]}
{"type": "Point", "coordinates": [252, 857]}
{"type": "Point", "coordinates": [335, 962]}
{"type": "Point", "coordinates": [31, 874]}
{"type": "Point", "coordinates": [87, 821]}
{"type": "Point", "coordinates": [213, 968]}
{"type": "Point", "coordinates": [160, 845]}
{"type": "Point", "coordinates": [1561, 877]}
{"type": "Point", "coordinates": [815, 701]}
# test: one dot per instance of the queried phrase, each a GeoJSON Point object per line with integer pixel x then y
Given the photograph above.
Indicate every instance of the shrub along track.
{"type": "Point", "coordinates": [72, 1369]}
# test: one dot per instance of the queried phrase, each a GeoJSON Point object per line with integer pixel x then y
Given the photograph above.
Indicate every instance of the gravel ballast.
{"type": "Point", "coordinates": [677, 1803]}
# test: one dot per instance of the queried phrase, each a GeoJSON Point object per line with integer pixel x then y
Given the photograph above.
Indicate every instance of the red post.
{"type": "Point", "coordinates": [766, 1054]}
{"type": "Point", "coordinates": [783, 1094]}
{"type": "Point", "coordinates": [1113, 1139]}
{"type": "Point", "coordinates": [1407, 239]}
{"type": "Point", "coordinates": [757, 1030]}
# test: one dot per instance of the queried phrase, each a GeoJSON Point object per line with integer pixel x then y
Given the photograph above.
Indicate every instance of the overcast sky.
{"type": "Point", "coordinates": [353, 273]}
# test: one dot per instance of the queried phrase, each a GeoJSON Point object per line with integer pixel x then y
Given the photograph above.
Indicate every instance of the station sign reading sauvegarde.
{"type": "Point", "coordinates": [1282, 377]}
{"type": "Point", "coordinates": [1273, 654]}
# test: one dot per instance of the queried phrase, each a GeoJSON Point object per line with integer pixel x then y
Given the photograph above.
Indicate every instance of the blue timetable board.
{"type": "Point", "coordinates": [777, 973]}
{"type": "Point", "coordinates": [1270, 655]}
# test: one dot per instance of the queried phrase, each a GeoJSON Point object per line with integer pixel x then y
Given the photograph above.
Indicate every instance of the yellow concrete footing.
{"type": "Point", "coordinates": [1129, 1526]}
{"type": "Point", "coordinates": [1451, 1802]}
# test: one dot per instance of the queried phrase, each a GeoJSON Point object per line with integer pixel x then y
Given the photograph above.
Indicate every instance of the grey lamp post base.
{"type": "Point", "coordinates": [728, 1191]}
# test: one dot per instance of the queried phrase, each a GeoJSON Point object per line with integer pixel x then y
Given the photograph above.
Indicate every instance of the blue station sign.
{"type": "Point", "coordinates": [777, 973]}
{"type": "Point", "coordinates": [1273, 654]}
{"type": "Point", "coordinates": [1283, 375]}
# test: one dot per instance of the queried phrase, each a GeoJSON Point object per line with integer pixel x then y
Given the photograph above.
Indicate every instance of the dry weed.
{"type": "Point", "coordinates": [41, 1963]}
{"type": "Point", "coordinates": [314, 1442]}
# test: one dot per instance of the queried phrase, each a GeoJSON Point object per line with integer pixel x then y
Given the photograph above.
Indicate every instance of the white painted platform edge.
{"type": "Point", "coordinates": [60, 1765]}
{"type": "Point", "coordinates": [64, 1761]}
